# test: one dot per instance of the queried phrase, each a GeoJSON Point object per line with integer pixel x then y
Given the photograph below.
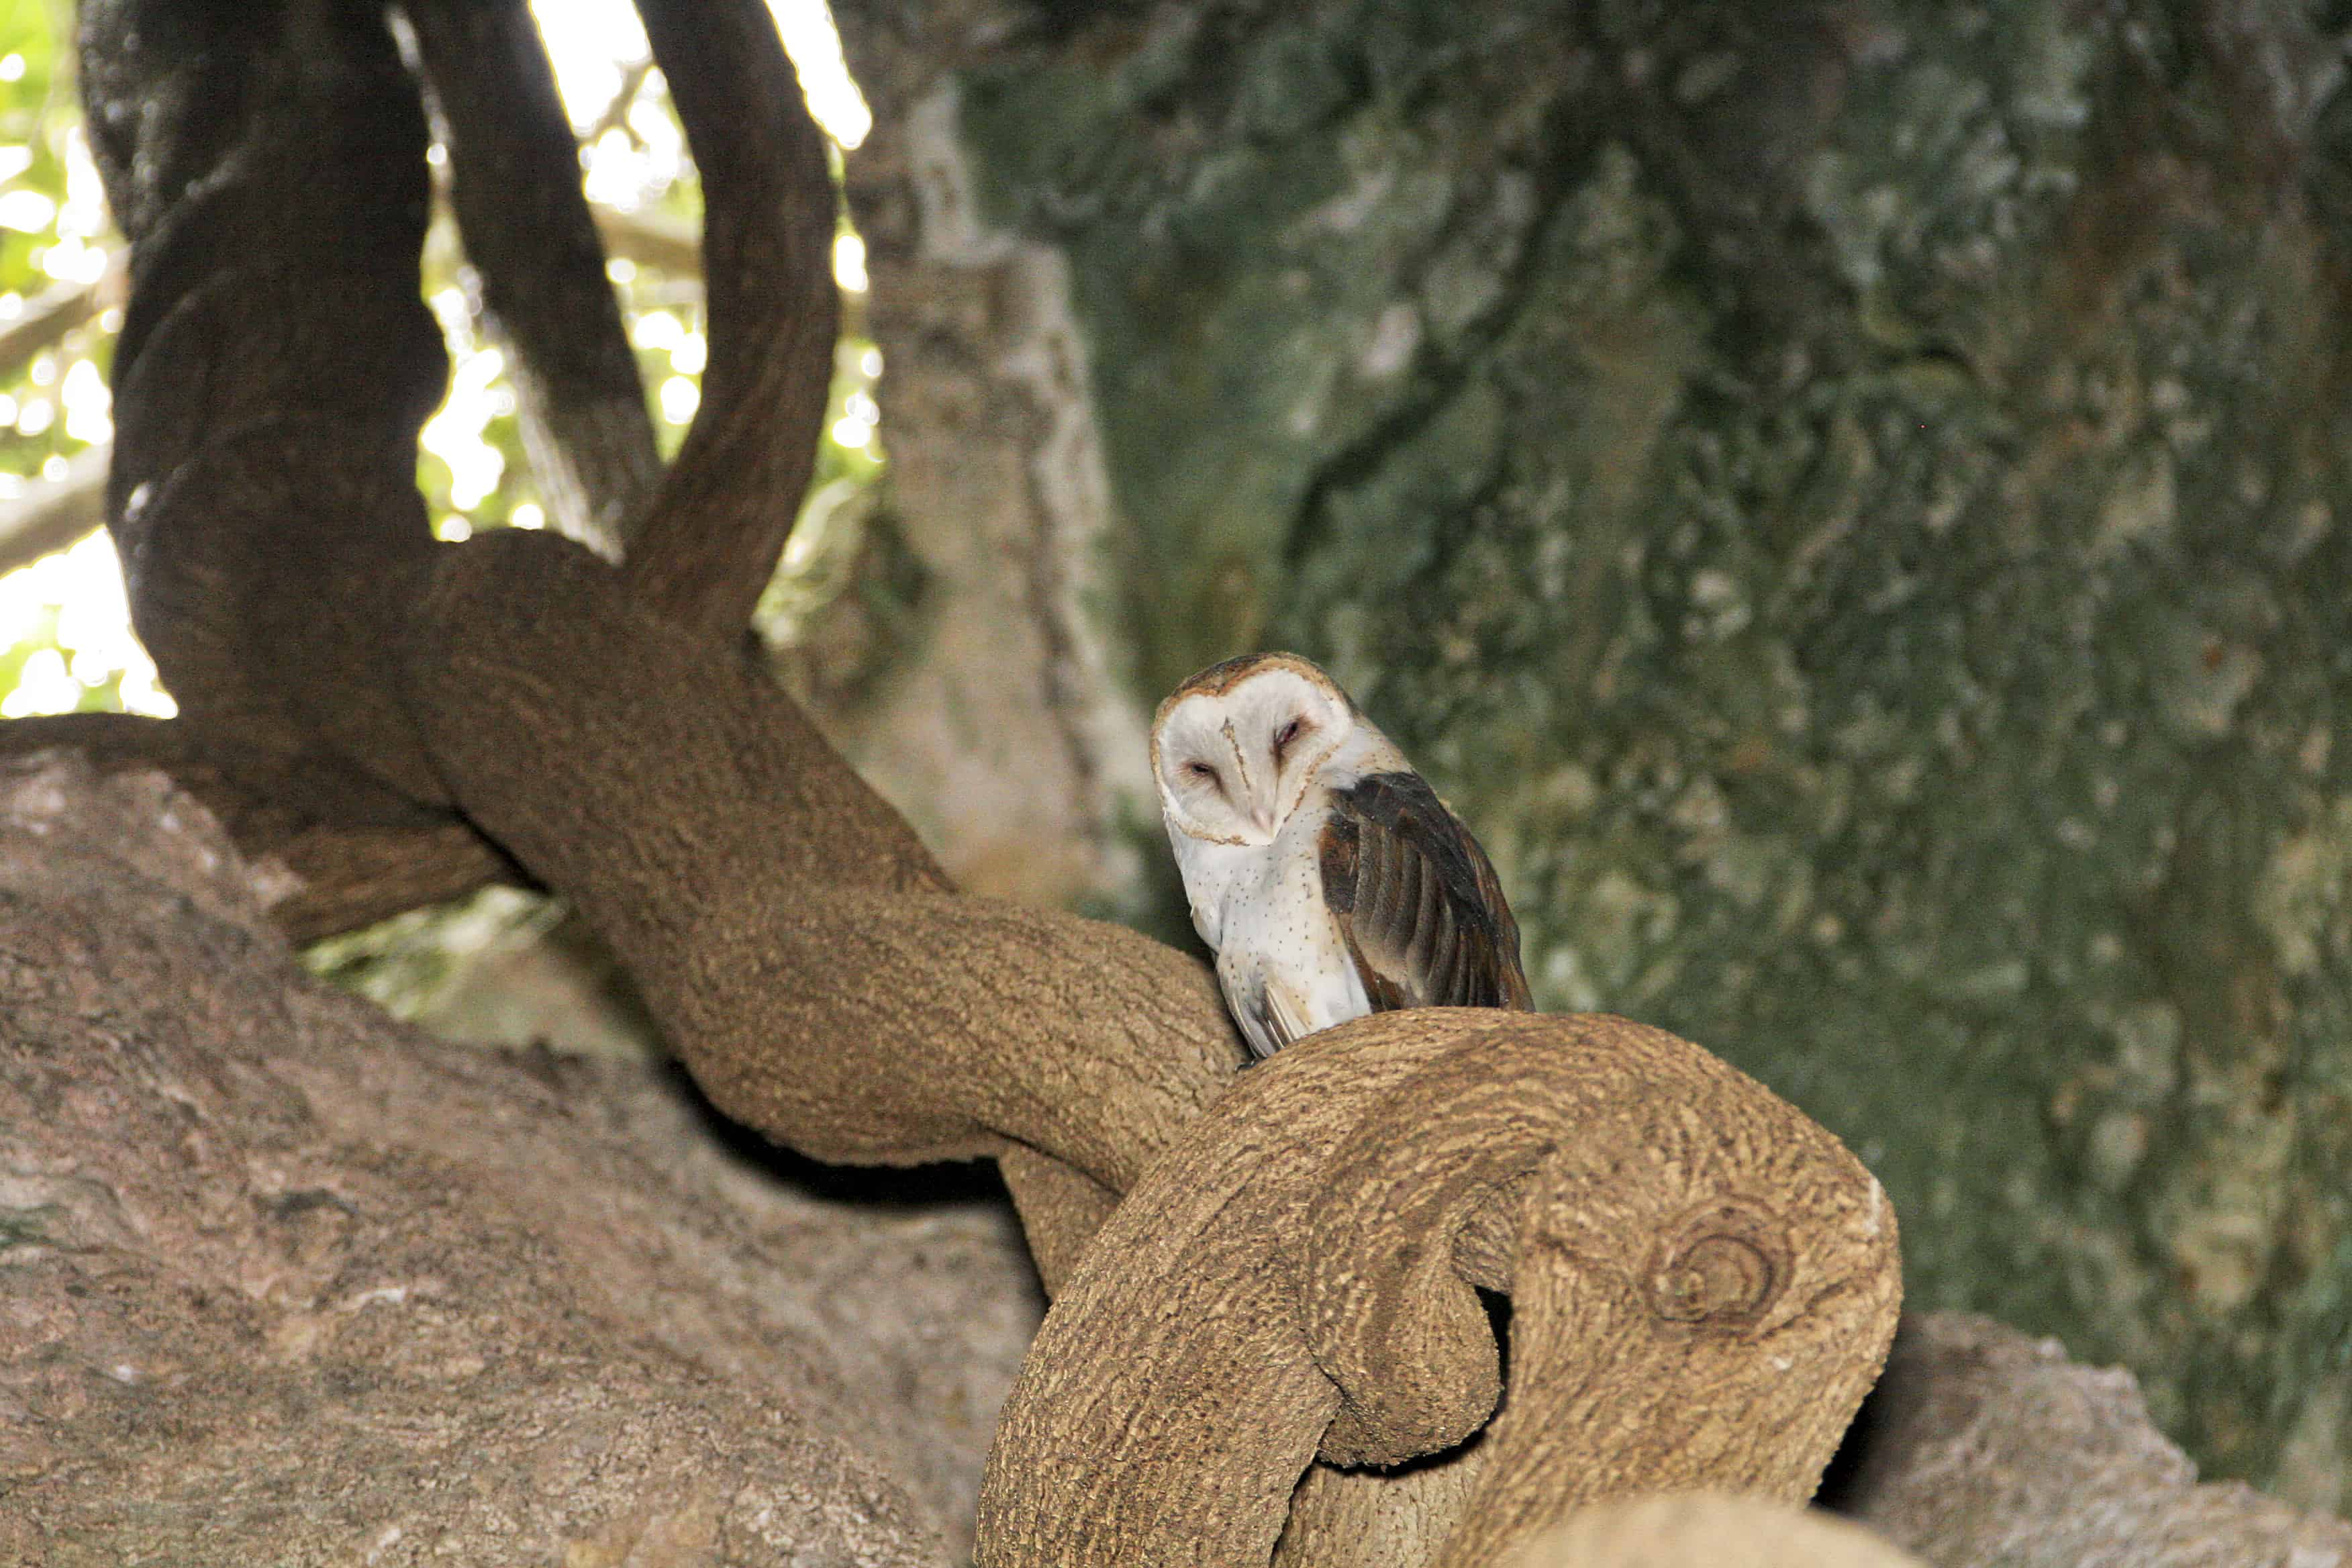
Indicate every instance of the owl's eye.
{"type": "Point", "coordinates": [1205, 773]}
{"type": "Point", "coordinates": [1286, 735]}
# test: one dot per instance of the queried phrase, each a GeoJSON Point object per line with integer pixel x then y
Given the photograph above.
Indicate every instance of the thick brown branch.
{"type": "Point", "coordinates": [711, 541]}
{"type": "Point", "coordinates": [1703, 1285]}
{"type": "Point", "coordinates": [515, 185]}
{"type": "Point", "coordinates": [797, 945]}
{"type": "Point", "coordinates": [273, 370]}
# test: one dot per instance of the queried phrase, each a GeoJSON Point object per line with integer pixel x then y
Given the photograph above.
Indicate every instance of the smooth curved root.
{"type": "Point", "coordinates": [1703, 1286]}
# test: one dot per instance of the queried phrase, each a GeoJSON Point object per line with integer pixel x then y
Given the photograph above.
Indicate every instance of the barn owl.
{"type": "Point", "coordinates": [1326, 873]}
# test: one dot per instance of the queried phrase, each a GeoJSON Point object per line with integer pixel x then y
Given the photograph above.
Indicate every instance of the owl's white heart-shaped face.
{"type": "Point", "coordinates": [1235, 748]}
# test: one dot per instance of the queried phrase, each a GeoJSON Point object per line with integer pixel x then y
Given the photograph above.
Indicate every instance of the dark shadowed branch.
{"type": "Point", "coordinates": [515, 183]}
{"type": "Point", "coordinates": [275, 365]}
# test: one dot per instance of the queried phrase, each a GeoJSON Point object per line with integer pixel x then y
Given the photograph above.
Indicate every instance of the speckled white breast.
{"type": "Point", "coordinates": [1275, 938]}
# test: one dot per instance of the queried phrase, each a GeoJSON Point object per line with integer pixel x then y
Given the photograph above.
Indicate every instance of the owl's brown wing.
{"type": "Point", "coordinates": [1416, 899]}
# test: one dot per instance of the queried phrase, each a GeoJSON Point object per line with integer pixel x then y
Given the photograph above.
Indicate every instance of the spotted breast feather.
{"type": "Point", "coordinates": [1416, 899]}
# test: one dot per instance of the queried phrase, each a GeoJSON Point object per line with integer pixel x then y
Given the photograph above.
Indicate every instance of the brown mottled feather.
{"type": "Point", "coordinates": [1417, 900]}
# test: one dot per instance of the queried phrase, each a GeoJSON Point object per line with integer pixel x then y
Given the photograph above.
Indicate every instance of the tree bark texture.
{"type": "Point", "coordinates": [287, 1283]}
{"type": "Point", "coordinates": [1846, 500]}
{"type": "Point", "coordinates": [1689, 1255]}
{"type": "Point", "coordinates": [278, 1267]}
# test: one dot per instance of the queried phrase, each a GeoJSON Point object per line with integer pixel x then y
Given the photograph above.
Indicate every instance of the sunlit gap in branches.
{"type": "Point", "coordinates": [65, 641]}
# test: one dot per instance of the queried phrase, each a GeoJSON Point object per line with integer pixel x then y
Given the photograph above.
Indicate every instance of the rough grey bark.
{"type": "Point", "coordinates": [288, 1283]}
{"type": "Point", "coordinates": [1846, 500]}
{"type": "Point", "coordinates": [1982, 1446]}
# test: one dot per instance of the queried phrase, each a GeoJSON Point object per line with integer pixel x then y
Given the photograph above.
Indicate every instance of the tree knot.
{"type": "Point", "coordinates": [1722, 1264]}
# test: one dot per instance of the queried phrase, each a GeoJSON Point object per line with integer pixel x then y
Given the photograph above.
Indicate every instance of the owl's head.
{"type": "Point", "coordinates": [1235, 747]}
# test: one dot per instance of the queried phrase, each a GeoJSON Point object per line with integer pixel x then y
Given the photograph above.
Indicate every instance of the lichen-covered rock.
{"type": "Point", "coordinates": [1846, 502]}
{"type": "Point", "coordinates": [1985, 1448]}
{"type": "Point", "coordinates": [282, 1281]}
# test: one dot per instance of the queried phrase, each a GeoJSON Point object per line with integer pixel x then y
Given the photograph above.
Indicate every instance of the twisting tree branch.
{"type": "Point", "coordinates": [712, 539]}
{"type": "Point", "coordinates": [1703, 1286]}
{"type": "Point", "coordinates": [310, 625]}
{"type": "Point", "coordinates": [275, 365]}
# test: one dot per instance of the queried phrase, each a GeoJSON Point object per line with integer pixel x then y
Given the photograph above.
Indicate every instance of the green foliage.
{"type": "Point", "coordinates": [405, 963]}
{"type": "Point", "coordinates": [59, 304]}
{"type": "Point", "coordinates": [52, 240]}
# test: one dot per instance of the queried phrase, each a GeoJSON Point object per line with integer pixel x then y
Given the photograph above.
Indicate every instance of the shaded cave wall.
{"type": "Point", "coordinates": [1845, 500]}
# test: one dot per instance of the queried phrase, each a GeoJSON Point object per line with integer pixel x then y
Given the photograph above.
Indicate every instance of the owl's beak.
{"type": "Point", "coordinates": [1262, 815]}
